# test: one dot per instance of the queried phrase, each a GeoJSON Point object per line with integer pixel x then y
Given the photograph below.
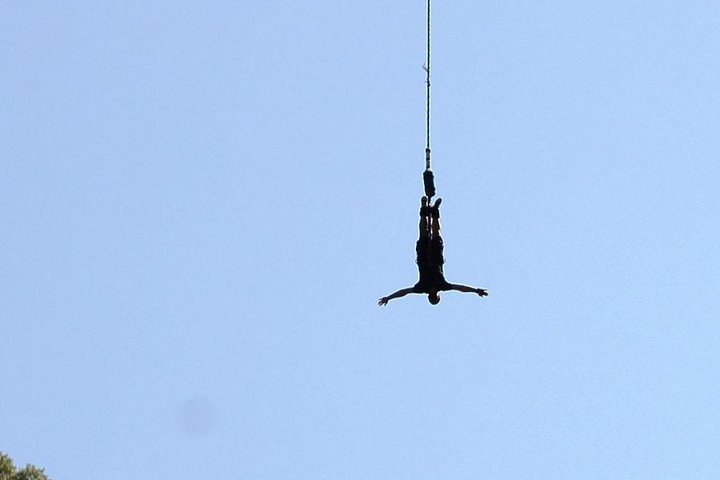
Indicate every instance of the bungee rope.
{"type": "Point", "coordinates": [428, 176]}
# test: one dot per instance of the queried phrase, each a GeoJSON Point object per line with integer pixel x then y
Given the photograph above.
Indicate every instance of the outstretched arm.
{"type": "Point", "coordinates": [398, 294]}
{"type": "Point", "coordinates": [467, 289]}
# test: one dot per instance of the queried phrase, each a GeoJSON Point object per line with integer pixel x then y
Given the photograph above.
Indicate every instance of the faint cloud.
{"type": "Point", "coordinates": [197, 417]}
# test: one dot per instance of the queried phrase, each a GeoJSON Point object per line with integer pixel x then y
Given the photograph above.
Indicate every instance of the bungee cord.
{"type": "Point", "coordinates": [428, 176]}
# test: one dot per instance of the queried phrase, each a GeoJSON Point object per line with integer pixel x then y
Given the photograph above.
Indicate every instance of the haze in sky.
{"type": "Point", "coordinates": [203, 201]}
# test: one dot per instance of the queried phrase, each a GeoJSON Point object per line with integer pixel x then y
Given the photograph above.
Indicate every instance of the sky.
{"type": "Point", "coordinates": [202, 202]}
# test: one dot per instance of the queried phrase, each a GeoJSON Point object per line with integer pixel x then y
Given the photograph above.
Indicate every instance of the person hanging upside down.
{"type": "Point", "coordinates": [429, 249]}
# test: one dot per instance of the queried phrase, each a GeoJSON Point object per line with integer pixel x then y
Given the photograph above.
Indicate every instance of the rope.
{"type": "Point", "coordinates": [427, 83]}
{"type": "Point", "coordinates": [428, 176]}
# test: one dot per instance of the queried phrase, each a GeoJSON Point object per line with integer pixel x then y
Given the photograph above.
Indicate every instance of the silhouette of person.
{"type": "Point", "coordinates": [430, 260]}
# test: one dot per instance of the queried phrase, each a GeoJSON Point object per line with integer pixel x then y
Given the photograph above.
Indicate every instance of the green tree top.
{"type": "Point", "coordinates": [8, 471]}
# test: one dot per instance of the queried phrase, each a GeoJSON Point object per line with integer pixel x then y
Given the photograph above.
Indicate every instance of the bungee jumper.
{"type": "Point", "coordinates": [430, 260]}
{"type": "Point", "coordinates": [429, 247]}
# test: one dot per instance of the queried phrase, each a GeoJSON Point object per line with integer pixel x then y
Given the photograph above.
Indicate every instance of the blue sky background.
{"type": "Point", "coordinates": [202, 201]}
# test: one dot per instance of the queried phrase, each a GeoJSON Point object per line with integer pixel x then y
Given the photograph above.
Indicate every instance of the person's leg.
{"type": "Point", "coordinates": [435, 227]}
{"type": "Point", "coordinates": [435, 214]}
{"type": "Point", "coordinates": [424, 218]}
{"type": "Point", "coordinates": [422, 247]}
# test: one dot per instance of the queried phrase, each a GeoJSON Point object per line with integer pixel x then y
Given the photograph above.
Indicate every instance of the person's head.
{"type": "Point", "coordinates": [433, 296]}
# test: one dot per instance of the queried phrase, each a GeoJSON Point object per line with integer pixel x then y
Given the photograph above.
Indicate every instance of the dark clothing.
{"type": "Point", "coordinates": [429, 251]}
{"type": "Point", "coordinates": [430, 264]}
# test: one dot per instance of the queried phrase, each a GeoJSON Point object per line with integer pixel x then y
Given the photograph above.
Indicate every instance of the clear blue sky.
{"type": "Point", "coordinates": [202, 201]}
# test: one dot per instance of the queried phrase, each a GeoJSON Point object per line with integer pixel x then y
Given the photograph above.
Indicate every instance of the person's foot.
{"type": "Point", "coordinates": [425, 209]}
{"type": "Point", "coordinates": [435, 209]}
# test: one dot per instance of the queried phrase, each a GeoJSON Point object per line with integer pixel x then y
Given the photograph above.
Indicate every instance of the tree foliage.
{"type": "Point", "coordinates": [8, 471]}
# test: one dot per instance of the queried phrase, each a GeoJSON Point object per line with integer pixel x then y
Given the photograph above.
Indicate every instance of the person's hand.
{"type": "Point", "coordinates": [482, 292]}
{"type": "Point", "coordinates": [383, 301]}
